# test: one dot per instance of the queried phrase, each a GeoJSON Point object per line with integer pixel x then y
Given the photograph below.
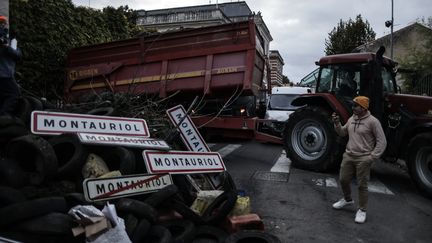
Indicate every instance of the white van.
{"type": "Point", "coordinates": [279, 105]}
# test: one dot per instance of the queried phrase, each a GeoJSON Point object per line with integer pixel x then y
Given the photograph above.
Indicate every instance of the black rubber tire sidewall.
{"type": "Point", "coordinates": [71, 154]}
{"type": "Point", "coordinates": [210, 232]}
{"type": "Point", "coordinates": [220, 207]}
{"type": "Point", "coordinates": [334, 148]}
{"type": "Point", "coordinates": [39, 152]}
{"type": "Point", "coordinates": [137, 208]}
{"type": "Point", "coordinates": [414, 146]}
{"type": "Point", "coordinates": [29, 209]}
{"type": "Point", "coordinates": [252, 236]}
{"type": "Point", "coordinates": [181, 230]}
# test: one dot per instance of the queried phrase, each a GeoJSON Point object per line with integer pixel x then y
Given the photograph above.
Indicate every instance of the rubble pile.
{"type": "Point", "coordinates": [41, 185]}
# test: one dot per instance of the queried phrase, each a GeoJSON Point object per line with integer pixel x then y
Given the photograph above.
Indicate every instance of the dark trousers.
{"type": "Point", "coordinates": [9, 94]}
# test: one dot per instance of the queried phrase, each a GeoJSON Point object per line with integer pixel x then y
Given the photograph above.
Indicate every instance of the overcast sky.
{"type": "Point", "coordinates": [299, 27]}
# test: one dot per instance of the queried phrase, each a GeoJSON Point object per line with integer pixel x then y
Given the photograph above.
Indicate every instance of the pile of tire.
{"type": "Point", "coordinates": [41, 180]}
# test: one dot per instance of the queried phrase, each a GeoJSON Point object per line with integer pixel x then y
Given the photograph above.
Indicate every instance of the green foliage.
{"type": "Point", "coordinates": [348, 35]}
{"type": "Point", "coordinates": [285, 79]}
{"type": "Point", "coordinates": [47, 29]}
{"type": "Point", "coordinates": [419, 58]}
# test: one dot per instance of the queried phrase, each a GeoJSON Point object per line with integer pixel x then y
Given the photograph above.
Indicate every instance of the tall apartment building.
{"type": "Point", "coordinates": [276, 68]}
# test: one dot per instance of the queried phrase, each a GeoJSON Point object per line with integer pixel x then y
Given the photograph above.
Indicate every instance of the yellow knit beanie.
{"type": "Point", "coordinates": [363, 101]}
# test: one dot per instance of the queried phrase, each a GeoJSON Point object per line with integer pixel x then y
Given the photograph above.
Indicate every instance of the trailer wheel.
{"type": "Point", "coordinates": [420, 162]}
{"type": "Point", "coordinates": [310, 140]}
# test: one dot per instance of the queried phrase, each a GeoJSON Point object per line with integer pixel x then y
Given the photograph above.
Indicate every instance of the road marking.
{"type": "Point", "coordinates": [282, 164]}
{"type": "Point", "coordinates": [378, 187]}
{"type": "Point", "coordinates": [228, 149]}
{"type": "Point", "coordinates": [331, 182]}
{"type": "Point", "coordinates": [373, 185]}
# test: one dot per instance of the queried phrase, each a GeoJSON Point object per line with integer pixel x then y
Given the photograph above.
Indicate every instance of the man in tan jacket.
{"type": "Point", "coordinates": [366, 143]}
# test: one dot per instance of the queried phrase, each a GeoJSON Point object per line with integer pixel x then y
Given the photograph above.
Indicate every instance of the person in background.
{"type": "Point", "coordinates": [9, 55]}
{"type": "Point", "coordinates": [366, 143]}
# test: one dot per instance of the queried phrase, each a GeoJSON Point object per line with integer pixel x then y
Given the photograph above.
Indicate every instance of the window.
{"type": "Point", "coordinates": [388, 81]}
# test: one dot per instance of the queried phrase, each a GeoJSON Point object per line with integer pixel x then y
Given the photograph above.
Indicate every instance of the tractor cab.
{"type": "Point", "coordinates": [349, 75]}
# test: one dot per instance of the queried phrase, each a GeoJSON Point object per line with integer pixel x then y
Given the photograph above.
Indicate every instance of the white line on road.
{"type": "Point", "coordinates": [282, 164]}
{"type": "Point", "coordinates": [228, 149]}
{"type": "Point", "coordinates": [373, 185]}
{"type": "Point", "coordinates": [378, 187]}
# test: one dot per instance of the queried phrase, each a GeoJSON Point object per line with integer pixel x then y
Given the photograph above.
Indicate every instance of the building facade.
{"type": "Point", "coordinates": [405, 40]}
{"type": "Point", "coordinates": [276, 68]}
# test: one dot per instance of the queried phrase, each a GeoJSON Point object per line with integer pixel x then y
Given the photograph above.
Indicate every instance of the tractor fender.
{"type": "Point", "coordinates": [326, 100]}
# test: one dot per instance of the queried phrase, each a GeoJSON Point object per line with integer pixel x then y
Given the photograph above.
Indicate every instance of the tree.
{"type": "Point", "coordinates": [47, 29]}
{"type": "Point", "coordinates": [348, 35]}
{"type": "Point", "coordinates": [419, 59]}
{"type": "Point", "coordinates": [285, 79]}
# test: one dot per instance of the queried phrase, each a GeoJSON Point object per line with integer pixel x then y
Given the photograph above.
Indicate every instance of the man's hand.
{"type": "Point", "coordinates": [336, 119]}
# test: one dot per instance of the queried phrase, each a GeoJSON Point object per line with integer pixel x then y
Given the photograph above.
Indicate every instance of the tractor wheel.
{"type": "Point", "coordinates": [310, 140]}
{"type": "Point", "coordinates": [420, 162]}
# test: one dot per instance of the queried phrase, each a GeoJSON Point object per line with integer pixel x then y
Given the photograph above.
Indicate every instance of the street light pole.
{"type": "Point", "coordinates": [391, 31]}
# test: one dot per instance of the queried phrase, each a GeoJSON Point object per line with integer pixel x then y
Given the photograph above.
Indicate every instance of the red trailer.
{"type": "Point", "coordinates": [216, 63]}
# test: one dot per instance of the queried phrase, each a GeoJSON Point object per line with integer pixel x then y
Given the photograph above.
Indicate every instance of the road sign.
{"type": "Point", "coordinates": [182, 162]}
{"type": "Point", "coordinates": [99, 189]}
{"type": "Point", "coordinates": [189, 133]}
{"type": "Point", "coordinates": [126, 141]}
{"type": "Point", "coordinates": [55, 123]}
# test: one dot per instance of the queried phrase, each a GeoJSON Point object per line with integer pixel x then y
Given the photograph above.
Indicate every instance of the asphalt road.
{"type": "Point", "coordinates": [295, 205]}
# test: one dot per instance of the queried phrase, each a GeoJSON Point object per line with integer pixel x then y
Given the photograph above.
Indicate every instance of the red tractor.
{"type": "Point", "coordinates": [309, 137]}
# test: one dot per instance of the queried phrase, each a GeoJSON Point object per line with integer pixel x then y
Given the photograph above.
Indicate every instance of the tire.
{"type": "Point", "coordinates": [35, 103]}
{"type": "Point", "coordinates": [10, 196]}
{"type": "Point", "coordinates": [71, 154]}
{"type": "Point", "coordinates": [228, 182]}
{"type": "Point", "coordinates": [39, 160]}
{"type": "Point", "coordinates": [161, 196]}
{"type": "Point", "coordinates": [131, 223]}
{"type": "Point", "coordinates": [23, 110]}
{"type": "Point", "coordinates": [181, 230]}
{"type": "Point", "coordinates": [220, 207]}
{"type": "Point", "coordinates": [11, 174]}
{"type": "Point", "coordinates": [185, 211]}
{"type": "Point", "coordinates": [29, 209]}
{"type": "Point", "coordinates": [140, 231]}
{"type": "Point", "coordinates": [310, 140]}
{"type": "Point", "coordinates": [420, 162]}
{"type": "Point", "coordinates": [102, 111]}
{"type": "Point", "coordinates": [11, 127]}
{"type": "Point", "coordinates": [49, 224]}
{"type": "Point", "coordinates": [137, 208]}
{"type": "Point", "coordinates": [252, 236]}
{"type": "Point", "coordinates": [209, 234]}
{"type": "Point", "coordinates": [158, 234]}
{"type": "Point", "coordinates": [7, 120]}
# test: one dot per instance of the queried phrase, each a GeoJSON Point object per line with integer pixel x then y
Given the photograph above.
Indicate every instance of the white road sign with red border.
{"type": "Point", "coordinates": [126, 141]}
{"type": "Point", "coordinates": [182, 162]}
{"type": "Point", "coordinates": [189, 133]}
{"type": "Point", "coordinates": [98, 189]}
{"type": "Point", "coordinates": [55, 123]}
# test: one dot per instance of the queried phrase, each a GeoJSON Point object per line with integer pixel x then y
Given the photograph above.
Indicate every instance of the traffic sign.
{"type": "Point", "coordinates": [189, 133]}
{"type": "Point", "coordinates": [98, 189]}
{"type": "Point", "coordinates": [126, 141]}
{"type": "Point", "coordinates": [55, 123]}
{"type": "Point", "coordinates": [182, 162]}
